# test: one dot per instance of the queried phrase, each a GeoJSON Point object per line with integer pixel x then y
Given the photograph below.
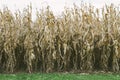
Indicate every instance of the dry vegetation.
{"type": "Point", "coordinates": [83, 38]}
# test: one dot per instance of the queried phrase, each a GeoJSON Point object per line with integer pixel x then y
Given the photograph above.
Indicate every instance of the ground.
{"type": "Point", "coordinates": [59, 76]}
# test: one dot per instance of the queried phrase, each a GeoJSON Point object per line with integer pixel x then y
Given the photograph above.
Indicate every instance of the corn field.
{"type": "Point", "coordinates": [81, 39]}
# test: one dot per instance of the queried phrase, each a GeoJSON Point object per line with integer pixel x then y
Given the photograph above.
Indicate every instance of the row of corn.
{"type": "Point", "coordinates": [81, 39]}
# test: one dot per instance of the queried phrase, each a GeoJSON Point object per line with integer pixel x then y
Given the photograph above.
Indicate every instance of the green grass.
{"type": "Point", "coordinates": [57, 76]}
